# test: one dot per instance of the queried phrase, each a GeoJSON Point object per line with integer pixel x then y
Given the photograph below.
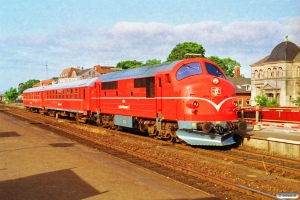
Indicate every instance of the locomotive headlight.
{"type": "Point", "coordinates": [215, 81]}
{"type": "Point", "coordinates": [192, 104]}
{"type": "Point", "coordinates": [195, 103]}
{"type": "Point", "coordinates": [235, 103]}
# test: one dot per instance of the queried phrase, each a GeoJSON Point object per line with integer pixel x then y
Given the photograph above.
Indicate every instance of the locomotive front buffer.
{"type": "Point", "coordinates": [209, 133]}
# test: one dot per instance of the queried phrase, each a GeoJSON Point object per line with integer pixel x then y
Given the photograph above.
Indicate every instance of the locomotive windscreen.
{"type": "Point", "coordinates": [213, 70]}
{"type": "Point", "coordinates": [187, 70]}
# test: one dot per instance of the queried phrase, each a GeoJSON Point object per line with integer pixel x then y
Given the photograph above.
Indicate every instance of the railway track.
{"type": "Point", "coordinates": [222, 189]}
{"type": "Point", "coordinates": [280, 166]}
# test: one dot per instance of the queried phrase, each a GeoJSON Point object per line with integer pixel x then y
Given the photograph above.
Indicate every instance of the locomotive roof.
{"type": "Point", "coordinates": [72, 84]}
{"type": "Point", "coordinates": [140, 72]}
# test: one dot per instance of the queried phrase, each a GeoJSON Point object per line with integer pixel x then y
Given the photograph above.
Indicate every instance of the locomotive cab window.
{"type": "Point", "coordinates": [188, 70]}
{"type": "Point", "coordinates": [213, 70]}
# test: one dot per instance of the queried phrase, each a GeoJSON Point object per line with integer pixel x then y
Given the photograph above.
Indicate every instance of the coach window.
{"type": "Point", "coordinates": [187, 70]}
{"type": "Point", "coordinates": [66, 93]}
{"type": "Point", "coordinates": [71, 93]}
{"type": "Point", "coordinates": [76, 93]}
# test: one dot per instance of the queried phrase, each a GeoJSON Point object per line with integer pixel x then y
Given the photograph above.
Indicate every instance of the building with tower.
{"type": "Point", "coordinates": [276, 75]}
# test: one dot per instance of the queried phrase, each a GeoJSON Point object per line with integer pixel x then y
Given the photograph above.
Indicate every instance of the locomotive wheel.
{"type": "Point", "coordinates": [153, 135]}
{"type": "Point", "coordinates": [170, 138]}
{"type": "Point", "coordinates": [242, 126]}
{"type": "Point", "coordinates": [206, 127]}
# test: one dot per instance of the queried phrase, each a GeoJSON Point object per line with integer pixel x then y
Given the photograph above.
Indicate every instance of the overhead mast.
{"type": "Point", "coordinates": [46, 71]}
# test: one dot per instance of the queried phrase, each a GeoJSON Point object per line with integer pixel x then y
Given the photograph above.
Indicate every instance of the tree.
{"type": "Point", "coordinates": [227, 64]}
{"type": "Point", "coordinates": [129, 64]}
{"type": "Point", "coordinates": [180, 50]}
{"type": "Point", "coordinates": [152, 62]}
{"type": "Point", "coordinates": [297, 100]}
{"type": "Point", "coordinates": [11, 95]}
{"type": "Point", "coordinates": [26, 85]}
{"type": "Point", "coordinates": [262, 100]}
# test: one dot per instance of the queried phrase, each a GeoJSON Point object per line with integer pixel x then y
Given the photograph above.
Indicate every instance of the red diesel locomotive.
{"type": "Point", "coordinates": [188, 101]}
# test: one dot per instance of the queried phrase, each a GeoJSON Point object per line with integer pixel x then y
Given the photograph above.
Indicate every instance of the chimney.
{"type": "Point", "coordinates": [97, 68]}
{"type": "Point", "coordinates": [237, 72]}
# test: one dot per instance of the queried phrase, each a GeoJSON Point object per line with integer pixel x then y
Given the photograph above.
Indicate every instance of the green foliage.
{"type": "Point", "coordinates": [262, 100]}
{"type": "Point", "coordinates": [128, 64]}
{"type": "Point", "coordinates": [179, 51]}
{"type": "Point", "coordinates": [152, 62]}
{"type": "Point", "coordinates": [11, 94]}
{"type": "Point", "coordinates": [26, 85]}
{"type": "Point", "coordinates": [297, 100]}
{"type": "Point", "coordinates": [227, 64]}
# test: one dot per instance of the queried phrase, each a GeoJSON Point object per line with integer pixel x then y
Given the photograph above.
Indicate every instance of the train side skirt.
{"type": "Point", "coordinates": [195, 137]}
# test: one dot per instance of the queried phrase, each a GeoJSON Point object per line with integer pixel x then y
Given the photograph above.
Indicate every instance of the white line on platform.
{"type": "Point", "coordinates": [285, 141]}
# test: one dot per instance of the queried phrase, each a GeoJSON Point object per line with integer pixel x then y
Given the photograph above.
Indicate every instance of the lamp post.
{"type": "Point", "coordinates": [276, 85]}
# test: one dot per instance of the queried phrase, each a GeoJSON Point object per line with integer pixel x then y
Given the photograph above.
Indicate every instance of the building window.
{"type": "Point", "coordinates": [256, 76]}
{"type": "Point", "coordinates": [261, 74]}
{"type": "Point", "coordinates": [248, 101]}
{"type": "Point", "coordinates": [248, 87]}
{"type": "Point", "coordinates": [258, 91]}
{"type": "Point", "coordinates": [240, 101]}
{"type": "Point", "coordinates": [269, 73]}
{"type": "Point", "coordinates": [280, 72]}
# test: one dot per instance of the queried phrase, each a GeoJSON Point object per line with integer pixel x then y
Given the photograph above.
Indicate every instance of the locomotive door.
{"type": "Point", "coordinates": [159, 88]}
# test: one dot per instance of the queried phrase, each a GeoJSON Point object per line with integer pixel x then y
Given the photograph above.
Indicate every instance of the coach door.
{"type": "Point", "coordinates": [41, 99]}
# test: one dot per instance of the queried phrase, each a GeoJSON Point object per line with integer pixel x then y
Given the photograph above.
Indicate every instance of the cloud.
{"type": "Point", "coordinates": [244, 41]}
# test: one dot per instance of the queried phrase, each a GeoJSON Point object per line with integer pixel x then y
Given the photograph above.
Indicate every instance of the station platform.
{"type": "Point", "coordinates": [38, 164]}
{"type": "Point", "coordinates": [282, 139]}
{"type": "Point", "coordinates": [276, 130]}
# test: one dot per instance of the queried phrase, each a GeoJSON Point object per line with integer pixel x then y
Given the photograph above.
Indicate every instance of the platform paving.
{"type": "Point", "coordinates": [37, 164]}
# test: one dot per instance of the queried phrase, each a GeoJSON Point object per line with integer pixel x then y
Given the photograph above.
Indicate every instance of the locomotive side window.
{"type": "Point", "coordinates": [213, 70]}
{"type": "Point", "coordinates": [109, 85]}
{"type": "Point", "coordinates": [187, 70]}
{"type": "Point", "coordinates": [145, 82]}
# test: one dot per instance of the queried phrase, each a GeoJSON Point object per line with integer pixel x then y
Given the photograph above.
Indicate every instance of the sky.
{"type": "Point", "coordinates": [39, 38]}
